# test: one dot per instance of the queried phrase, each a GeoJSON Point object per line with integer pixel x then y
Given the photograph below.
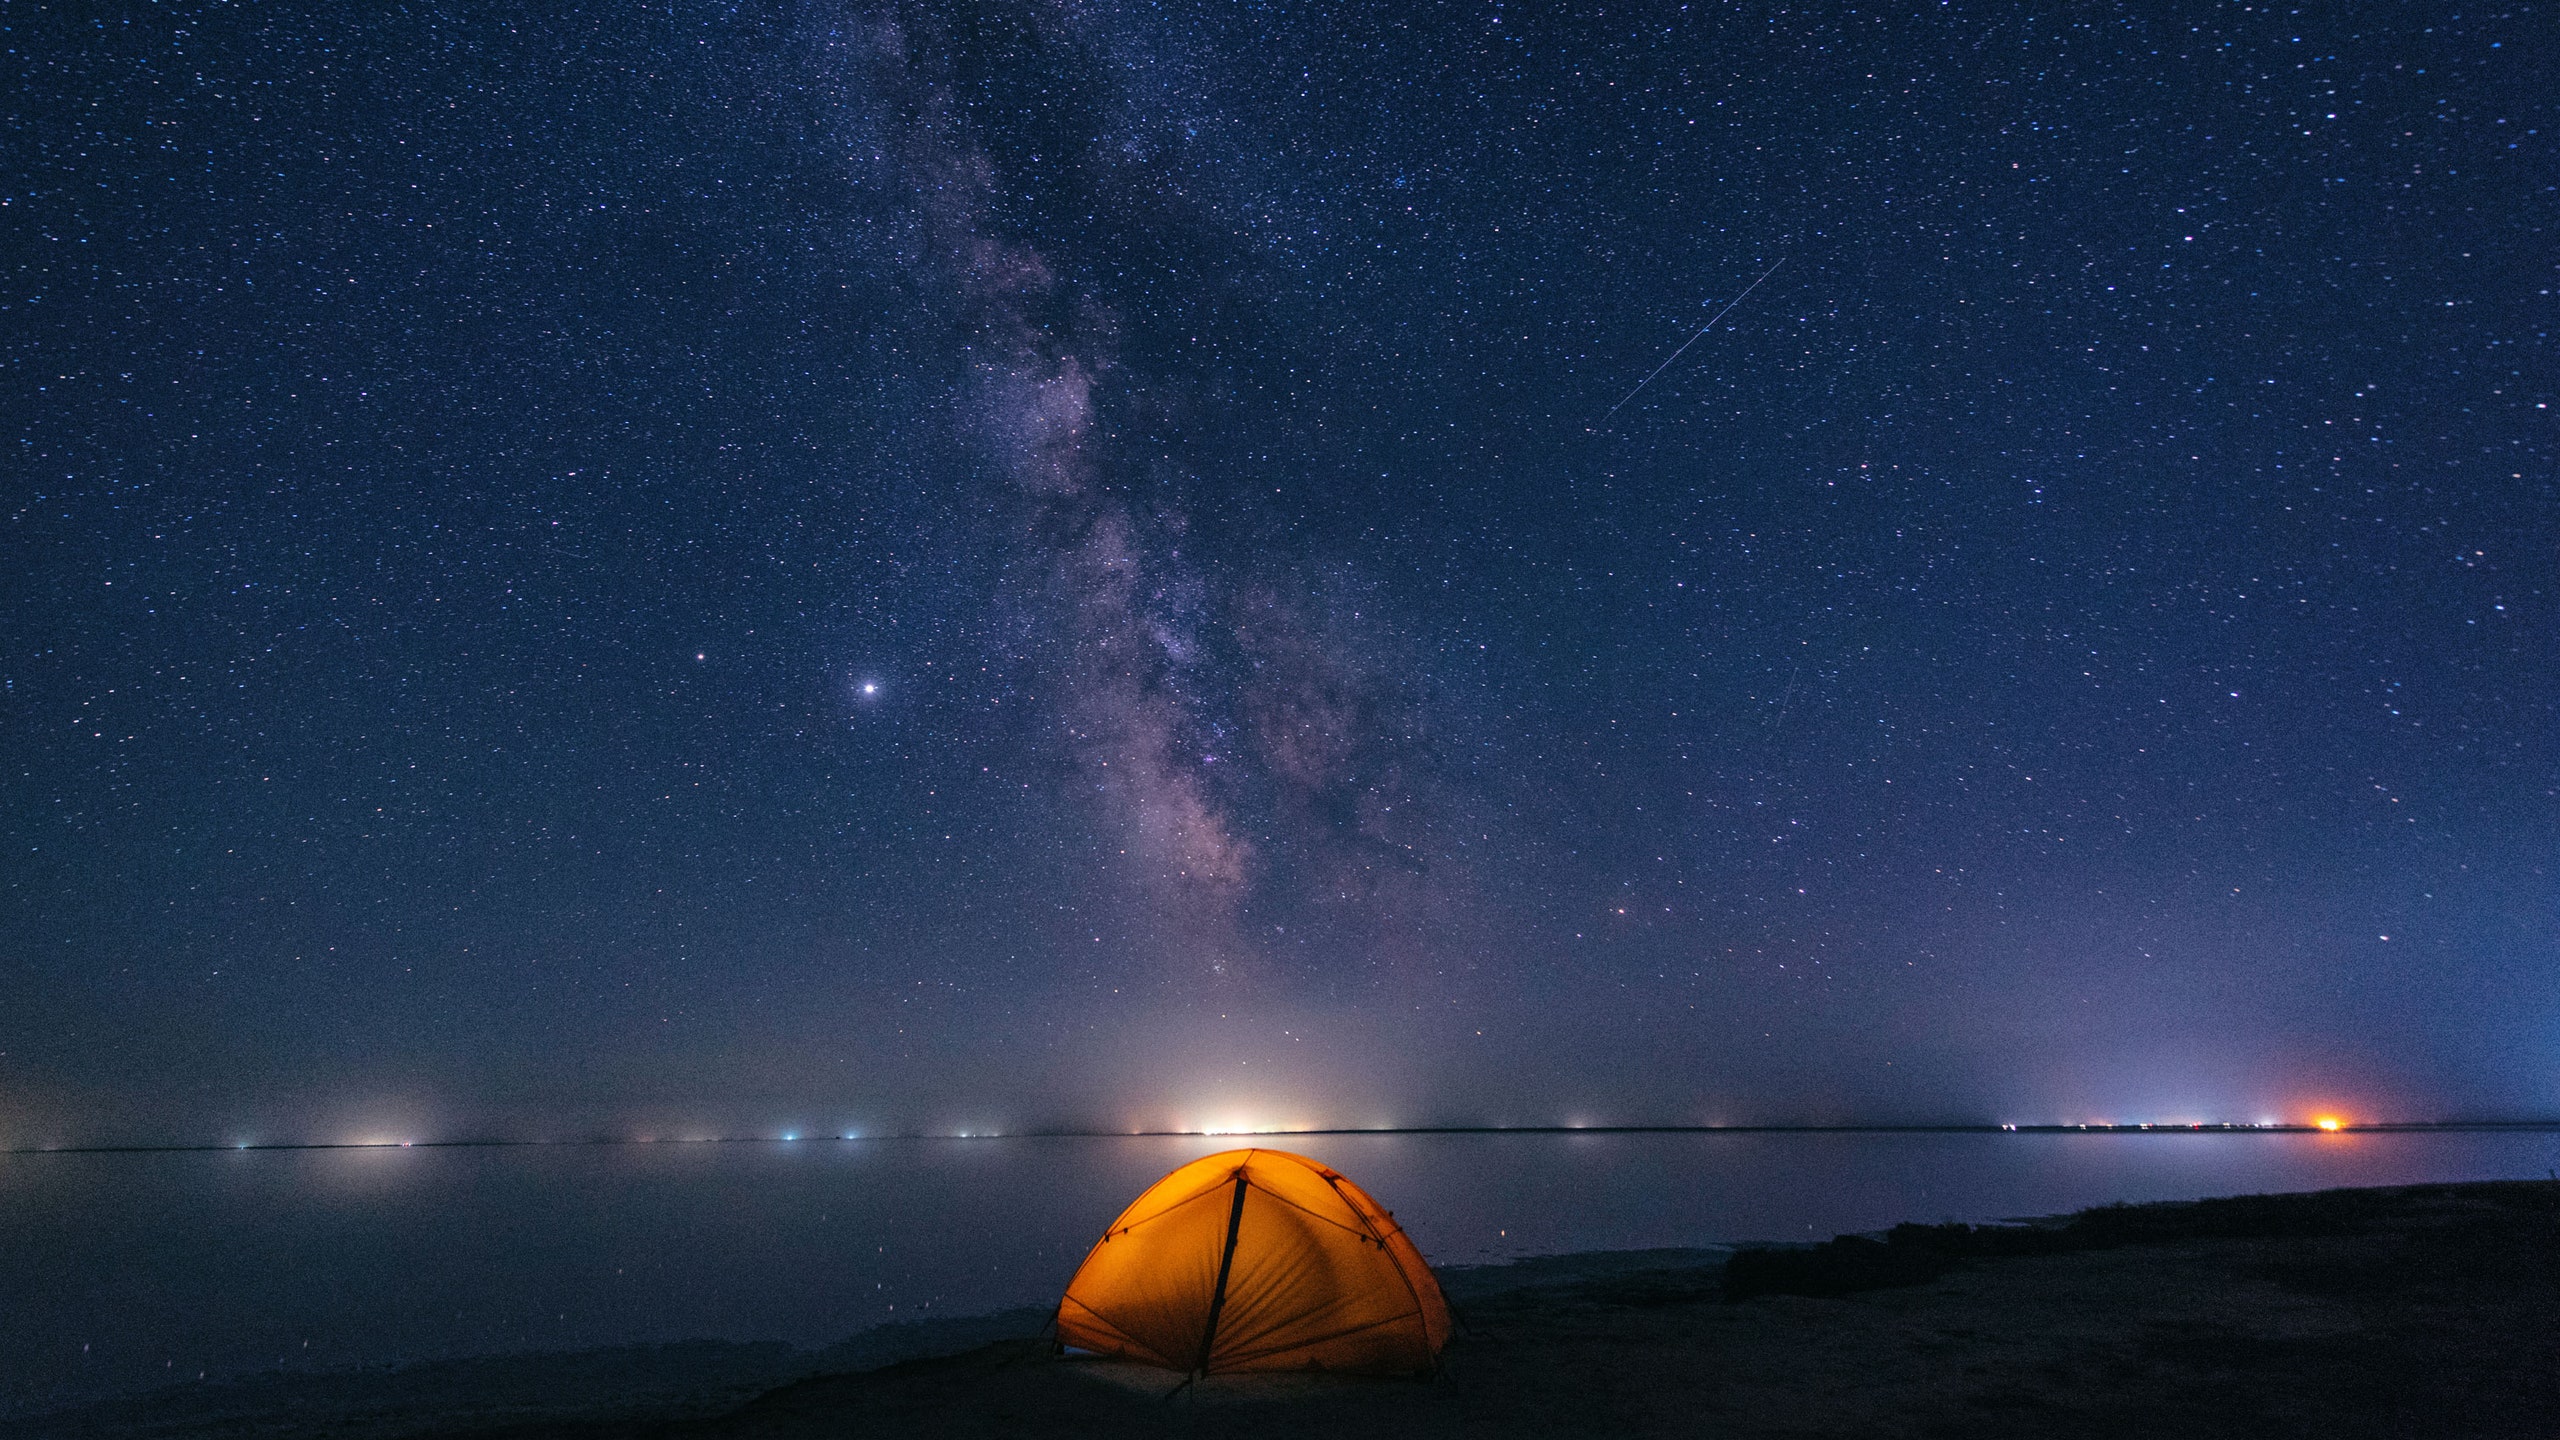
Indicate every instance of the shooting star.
{"type": "Point", "coordinates": [1685, 344]}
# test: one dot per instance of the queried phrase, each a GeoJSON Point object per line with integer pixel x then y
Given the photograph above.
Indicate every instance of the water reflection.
{"type": "Point", "coordinates": [134, 1269]}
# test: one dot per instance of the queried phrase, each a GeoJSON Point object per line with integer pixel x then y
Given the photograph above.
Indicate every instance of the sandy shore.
{"type": "Point", "coordinates": [2420, 1311]}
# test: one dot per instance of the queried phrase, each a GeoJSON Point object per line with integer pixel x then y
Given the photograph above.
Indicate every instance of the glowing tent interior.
{"type": "Point", "coordinates": [1257, 1260]}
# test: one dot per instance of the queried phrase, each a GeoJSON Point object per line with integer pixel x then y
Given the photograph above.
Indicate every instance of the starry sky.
{"type": "Point", "coordinates": [756, 565]}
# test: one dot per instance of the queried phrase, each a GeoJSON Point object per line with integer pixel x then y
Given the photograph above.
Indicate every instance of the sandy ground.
{"type": "Point", "coordinates": [2430, 1311]}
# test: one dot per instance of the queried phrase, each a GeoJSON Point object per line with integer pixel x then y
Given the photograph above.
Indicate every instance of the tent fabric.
{"type": "Point", "coordinates": [1257, 1260]}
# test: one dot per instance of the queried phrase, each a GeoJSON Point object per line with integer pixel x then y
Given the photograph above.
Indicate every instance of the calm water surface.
{"type": "Point", "coordinates": [125, 1271]}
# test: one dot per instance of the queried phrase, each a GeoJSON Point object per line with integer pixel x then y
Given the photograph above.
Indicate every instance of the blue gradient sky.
{"type": "Point", "coordinates": [910, 567]}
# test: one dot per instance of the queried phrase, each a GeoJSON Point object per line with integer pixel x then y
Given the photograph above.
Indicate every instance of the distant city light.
{"type": "Point", "coordinates": [2328, 1122]}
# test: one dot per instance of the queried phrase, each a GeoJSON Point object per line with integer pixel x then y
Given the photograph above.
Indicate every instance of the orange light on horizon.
{"type": "Point", "coordinates": [2327, 1122]}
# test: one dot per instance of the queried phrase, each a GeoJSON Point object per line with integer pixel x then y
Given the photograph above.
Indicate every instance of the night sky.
{"type": "Point", "coordinates": [729, 568]}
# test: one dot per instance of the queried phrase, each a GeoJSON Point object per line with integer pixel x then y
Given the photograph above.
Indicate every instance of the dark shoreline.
{"type": "Point", "coordinates": [2414, 1310]}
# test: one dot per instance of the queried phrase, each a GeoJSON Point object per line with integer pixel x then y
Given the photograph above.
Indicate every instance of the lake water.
{"type": "Point", "coordinates": [127, 1271]}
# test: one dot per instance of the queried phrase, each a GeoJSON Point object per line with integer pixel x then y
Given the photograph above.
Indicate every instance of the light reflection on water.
{"type": "Point", "coordinates": [129, 1270]}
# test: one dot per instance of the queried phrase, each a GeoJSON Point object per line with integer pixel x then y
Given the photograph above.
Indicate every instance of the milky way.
{"type": "Point", "coordinates": [1223, 730]}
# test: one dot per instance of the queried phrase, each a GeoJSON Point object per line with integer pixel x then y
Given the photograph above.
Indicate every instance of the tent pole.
{"type": "Point", "coordinates": [1226, 1263]}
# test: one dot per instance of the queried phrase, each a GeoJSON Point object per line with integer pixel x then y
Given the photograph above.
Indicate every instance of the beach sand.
{"type": "Point", "coordinates": [2422, 1311]}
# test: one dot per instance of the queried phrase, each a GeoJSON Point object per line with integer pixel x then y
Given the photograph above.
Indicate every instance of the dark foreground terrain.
{"type": "Point", "coordinates": [2423, 1311]}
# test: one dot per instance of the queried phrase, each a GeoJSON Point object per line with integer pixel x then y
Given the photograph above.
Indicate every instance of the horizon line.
{"type": "Point", "coordinates": [1928, 1128]}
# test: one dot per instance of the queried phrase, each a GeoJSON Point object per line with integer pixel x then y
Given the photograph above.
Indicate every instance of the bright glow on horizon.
{"type": "Point", "coordinates": [1232, 1126]}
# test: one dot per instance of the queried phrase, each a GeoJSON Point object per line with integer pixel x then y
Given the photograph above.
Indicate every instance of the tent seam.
{"type": "Point", "coordinates": [1318, 1214]}
{"type": "Point", "coordinates": [1419, 1313]}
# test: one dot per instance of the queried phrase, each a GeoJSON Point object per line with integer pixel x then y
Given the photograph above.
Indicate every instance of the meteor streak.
{"type": "Point", "coordinates": [1685, 344]}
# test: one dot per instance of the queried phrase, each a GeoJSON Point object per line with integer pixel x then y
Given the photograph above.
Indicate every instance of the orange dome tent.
{"type": "Point", "coordinates": [1257, 1260]}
